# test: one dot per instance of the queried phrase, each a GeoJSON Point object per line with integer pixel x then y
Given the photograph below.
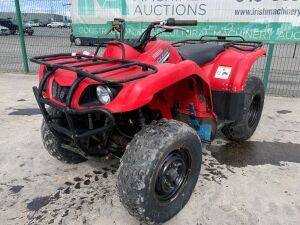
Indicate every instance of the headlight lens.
{"type": "Point", "coordinates": [104, 94]}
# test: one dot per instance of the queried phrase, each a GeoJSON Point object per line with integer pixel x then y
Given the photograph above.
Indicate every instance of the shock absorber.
{"type": "Point", "coordinates": [90, 121]}
{"type": "Point", "coordinates": [141, 118]}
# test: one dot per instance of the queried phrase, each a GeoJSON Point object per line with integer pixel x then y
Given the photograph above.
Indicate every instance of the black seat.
{"type": "Point", "coordinates": [200, 53]}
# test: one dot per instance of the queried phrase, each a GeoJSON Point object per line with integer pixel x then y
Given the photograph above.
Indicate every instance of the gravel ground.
{"type": "Point", "coordinates": [256, 182]}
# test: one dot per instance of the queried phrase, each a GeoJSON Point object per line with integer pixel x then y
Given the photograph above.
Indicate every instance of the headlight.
{"type": "Point", "coordinates": [104, 94]}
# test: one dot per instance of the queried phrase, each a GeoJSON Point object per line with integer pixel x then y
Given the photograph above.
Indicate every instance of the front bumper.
{"type": "Point", "coordinates": [70, 131]}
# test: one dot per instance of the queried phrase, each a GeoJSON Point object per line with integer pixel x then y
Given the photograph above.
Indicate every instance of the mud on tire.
{"type": "Point", "coordinates": [146, 174]}
{"type": "Point", "coordinates": [53, 143]}
{"type": "Point", "coordinates": [253, 107]}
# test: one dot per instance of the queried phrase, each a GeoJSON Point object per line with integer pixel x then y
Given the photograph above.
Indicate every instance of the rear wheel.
{"type": "Point", "coordinates": [56, 145]}
{"type": "Point", "coordinates": [159, 171]}
{"type": "Point", "coordinates": [253, 107]}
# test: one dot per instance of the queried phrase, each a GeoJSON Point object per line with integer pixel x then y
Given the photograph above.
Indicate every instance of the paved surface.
{"type": "Point", "coordinates": [284, 78]}
{"type": "Point", "coordinates": [256, 182]}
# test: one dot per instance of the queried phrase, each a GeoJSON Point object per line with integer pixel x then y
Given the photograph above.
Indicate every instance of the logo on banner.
{"type": "Point", "coordinates": [87, 7]}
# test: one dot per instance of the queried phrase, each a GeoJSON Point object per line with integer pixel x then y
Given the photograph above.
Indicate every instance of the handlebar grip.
{"type": "Point", "coordinates": [173, 22]}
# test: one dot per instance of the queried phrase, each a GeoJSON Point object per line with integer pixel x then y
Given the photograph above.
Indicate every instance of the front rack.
{"type": "Point", "coordinates": [237, 42]}
{"type": "Point", "coordinates": [74, 63]}
{"type": "Point", "coordinates": [79, 61]}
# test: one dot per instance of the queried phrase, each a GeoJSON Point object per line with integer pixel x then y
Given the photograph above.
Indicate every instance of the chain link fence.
{"type": "Point", "coordinates": [284, 78]}
{"type": "Point", "coordinates": [50, 22]}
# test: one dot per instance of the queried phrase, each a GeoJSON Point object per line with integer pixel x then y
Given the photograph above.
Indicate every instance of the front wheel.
{"type": "Point", "coordinates": [159, 171]}
{"type": "Point", "coordinates": [253, 107]}
{"type": "Point", "coordinates": [56, 145]}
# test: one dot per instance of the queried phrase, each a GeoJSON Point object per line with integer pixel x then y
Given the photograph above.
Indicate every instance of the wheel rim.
{"type": "Point", "coordinates": [77, 41]}
{"type": "Point", "coordinates": [253, 111]}
{"type": "Point", "coordinates": [172, 175]}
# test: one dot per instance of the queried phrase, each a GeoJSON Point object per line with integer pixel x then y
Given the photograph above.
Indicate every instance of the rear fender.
{"type": "Point", "coordinates": [240, 64]}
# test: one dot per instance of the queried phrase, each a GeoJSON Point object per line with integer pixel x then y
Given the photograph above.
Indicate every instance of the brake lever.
{"type": "Point", "coordinates": [172, 28]}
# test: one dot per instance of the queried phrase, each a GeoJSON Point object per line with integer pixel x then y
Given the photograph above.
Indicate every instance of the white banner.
{"type": "Point", "coordinates": [250, 11]}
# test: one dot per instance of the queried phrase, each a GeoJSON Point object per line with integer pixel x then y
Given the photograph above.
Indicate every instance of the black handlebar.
{"type": "Point", "coordinates": [146, 35]}
{"type": "Point", "coordinates": [173, 22]}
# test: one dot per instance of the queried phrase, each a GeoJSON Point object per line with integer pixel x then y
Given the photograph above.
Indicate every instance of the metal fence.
{"type": "Point", "coordinates": [284, 74]}
{"type": "Point", "coordinates": [37, 14]}
{"type": "Point", "coordinates": [43, 41]}
{"type": "Point", "coordinates": [283, 63]}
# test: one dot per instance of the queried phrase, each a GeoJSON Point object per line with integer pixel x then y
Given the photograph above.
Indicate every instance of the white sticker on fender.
{"type": "Point", "coordinates": [223, 72]}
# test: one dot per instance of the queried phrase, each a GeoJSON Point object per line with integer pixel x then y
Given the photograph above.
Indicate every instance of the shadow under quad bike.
{"type": "Point", "coordinates": [151, 103]}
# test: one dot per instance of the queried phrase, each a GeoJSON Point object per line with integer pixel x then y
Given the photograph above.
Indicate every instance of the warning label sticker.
{"type": "Point", "coordinates": [223, 72]}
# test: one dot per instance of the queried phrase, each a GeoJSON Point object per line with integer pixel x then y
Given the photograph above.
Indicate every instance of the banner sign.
{"type": "Point", "coordinates": [265, 20]}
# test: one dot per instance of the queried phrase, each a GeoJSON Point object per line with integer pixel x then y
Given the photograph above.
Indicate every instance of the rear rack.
{"type": "Point", "coordinates": [237, 42]}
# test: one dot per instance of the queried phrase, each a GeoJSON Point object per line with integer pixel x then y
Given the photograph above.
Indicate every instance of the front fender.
{"type": "Point", "coordinates": [140, 92]}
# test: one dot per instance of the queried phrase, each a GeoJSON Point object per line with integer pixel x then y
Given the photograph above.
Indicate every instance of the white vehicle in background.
{"type": "Point", "coordinates": [67, 25]}
{"type": "Point", "coordinates": [56, 25]}
{"type": "Point", "coordinates": [4, 30]}
{"type": "Point", "coordinates": [32, 24]}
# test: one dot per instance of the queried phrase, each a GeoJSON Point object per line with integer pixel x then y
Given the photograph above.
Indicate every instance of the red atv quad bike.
{"type": "Point", "coordinates": [150, 103]}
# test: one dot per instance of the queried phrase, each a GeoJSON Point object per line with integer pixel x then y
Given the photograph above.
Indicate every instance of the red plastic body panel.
{"type": "Point", "coordinates": [241, 63]}
{"type": "Point", "coordinates": [172, 81]}
{"type": "Point", "coordinates": [192, 86]}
